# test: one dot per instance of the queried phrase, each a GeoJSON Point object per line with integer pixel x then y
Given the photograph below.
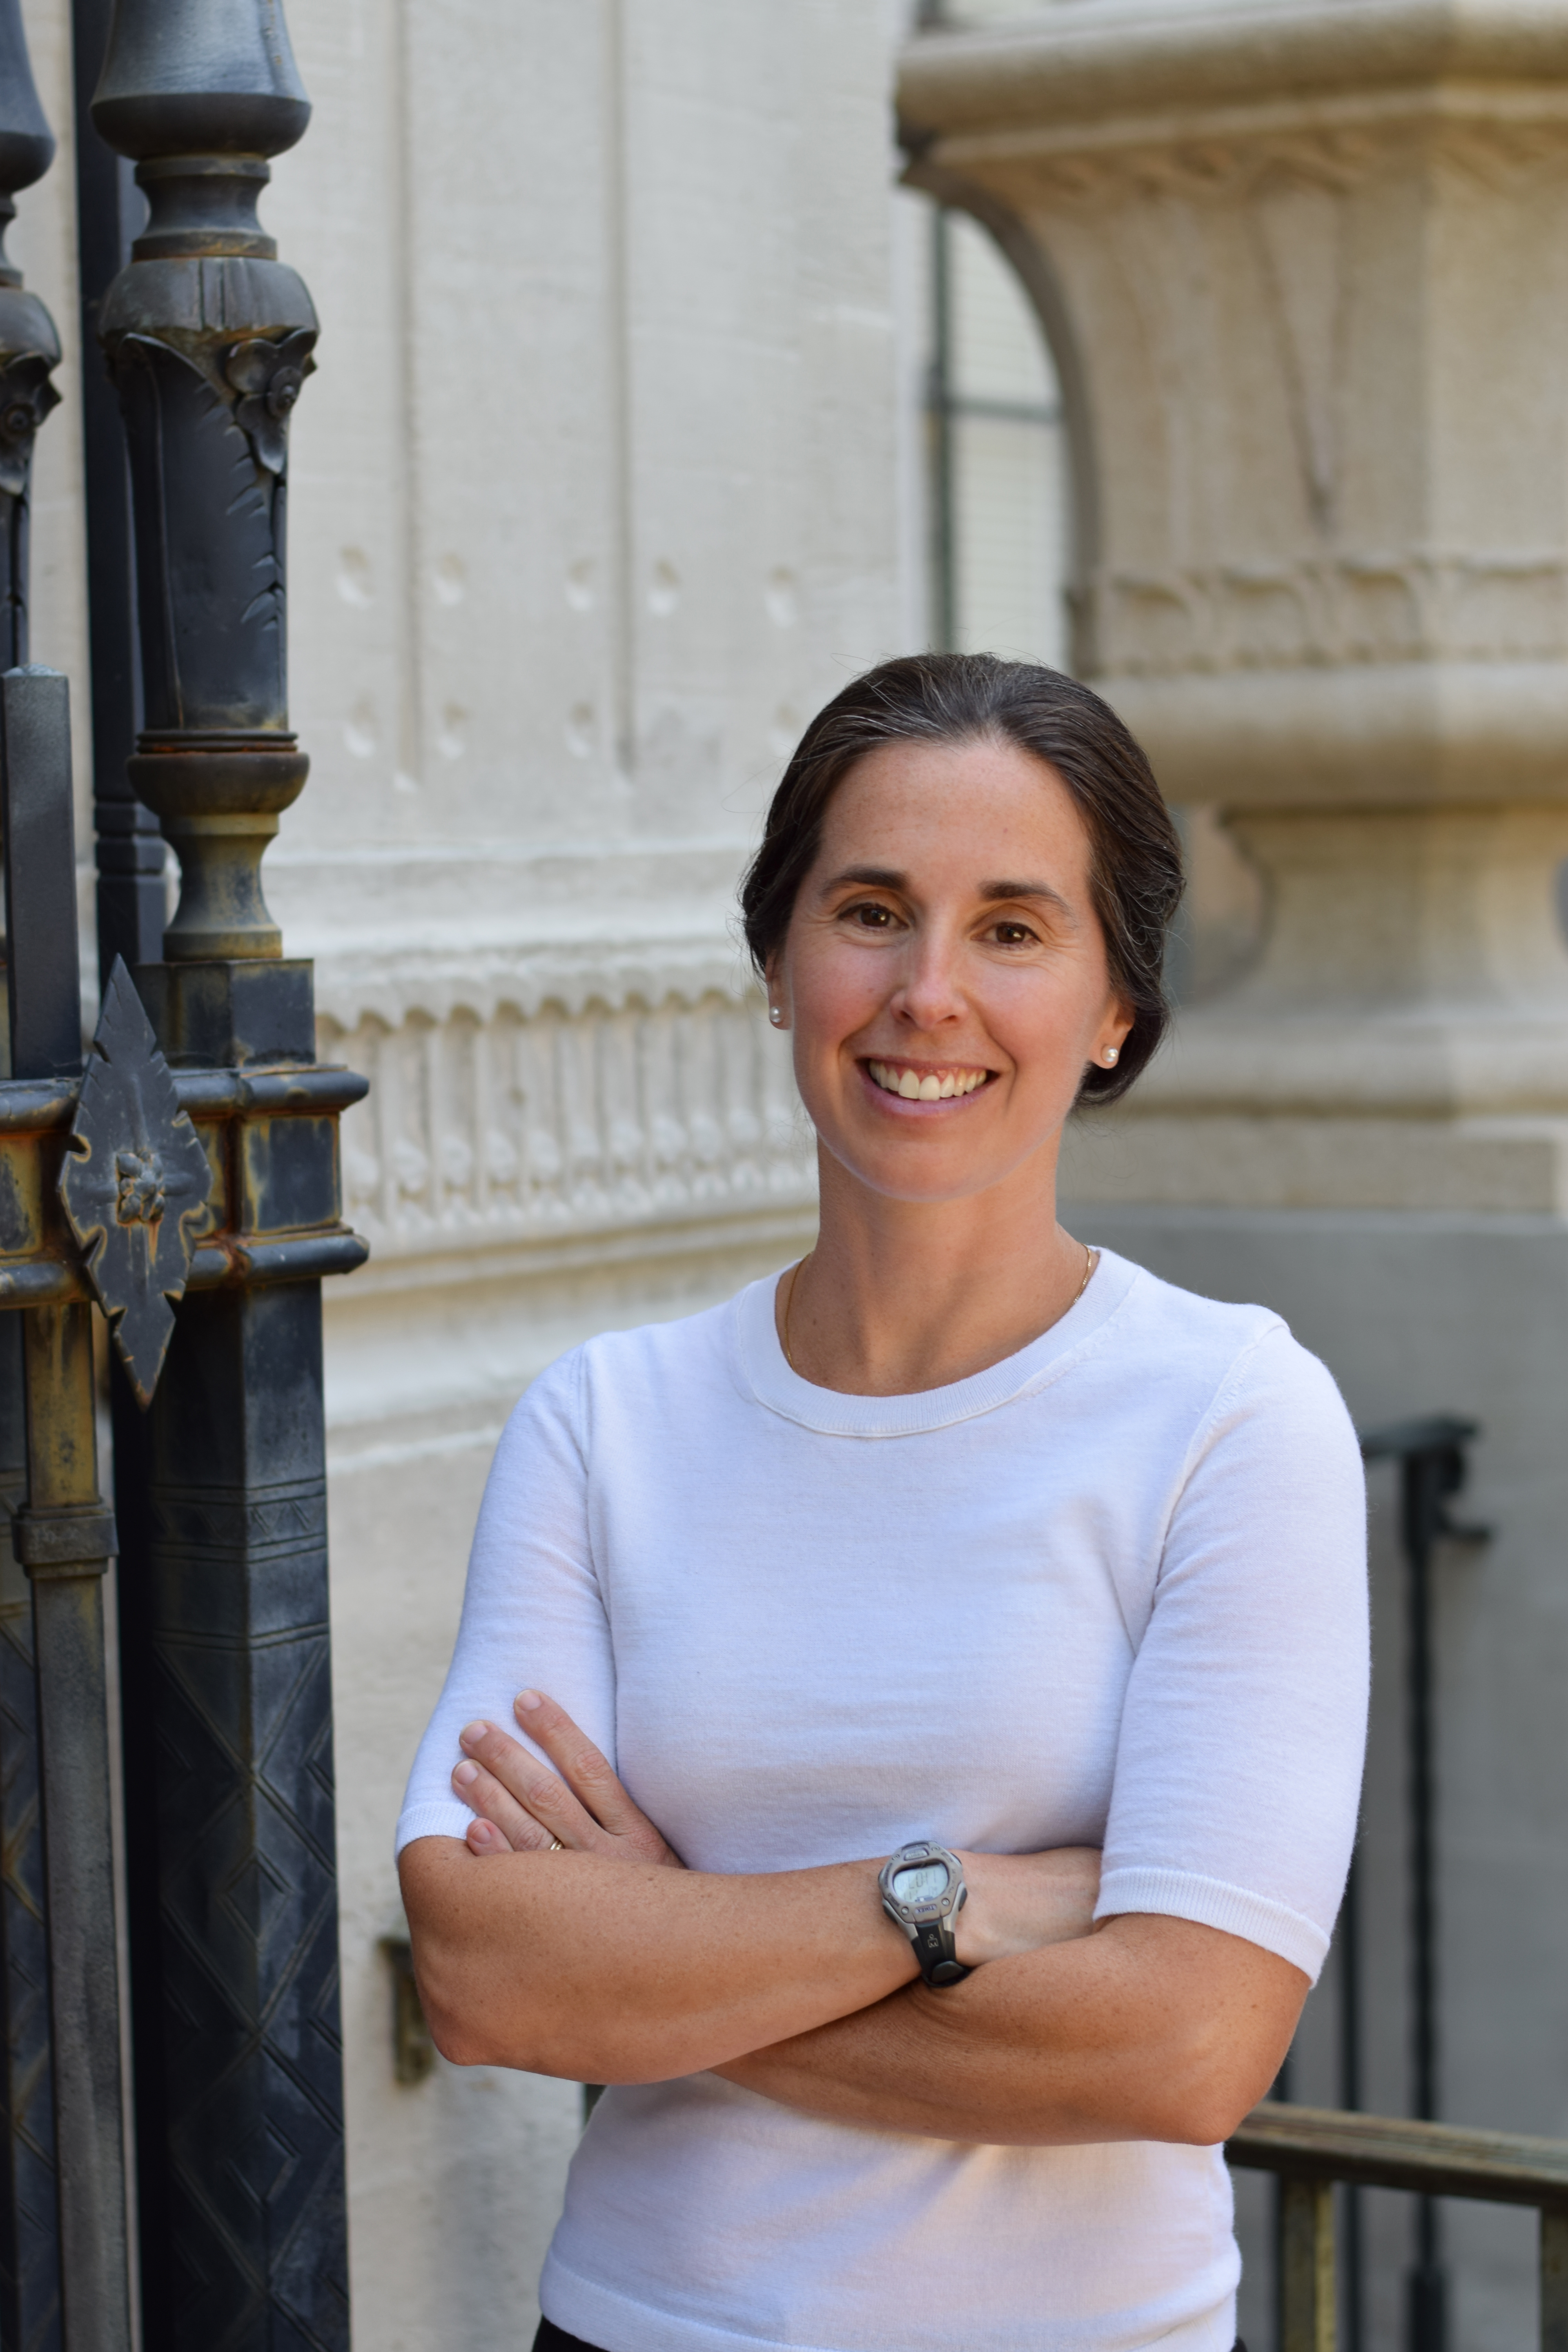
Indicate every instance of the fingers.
{"type": "Point", "coordinates": [591, 1778]}
{"type": "Point", "coordinates": [498, 1810]}
{"type": "Point", "coordinates": [586, 1770]}
{"type": "Point", "coordinates": [507, 1786]}
{"type": "Point", "coordinates": [583, 1803]}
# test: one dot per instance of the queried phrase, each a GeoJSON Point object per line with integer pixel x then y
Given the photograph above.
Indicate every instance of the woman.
{"type": "Point", "coordinates": [960, 1535]}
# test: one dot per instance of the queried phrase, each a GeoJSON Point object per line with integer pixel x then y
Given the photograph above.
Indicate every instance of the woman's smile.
{"type": "Point", "coordinates": [924, 1083]}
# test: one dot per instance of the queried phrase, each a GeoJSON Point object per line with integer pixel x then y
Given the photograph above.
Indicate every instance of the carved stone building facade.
{"type": "Point", "coordinates": [594, 501]}
{"type": "Point", "coordinates": [1303, 267]}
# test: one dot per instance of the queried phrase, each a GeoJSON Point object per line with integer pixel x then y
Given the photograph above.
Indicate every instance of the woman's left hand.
{"type": "Point", "coordinates": [521, 1808]}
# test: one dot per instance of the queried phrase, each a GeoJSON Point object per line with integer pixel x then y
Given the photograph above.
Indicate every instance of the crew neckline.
{"type": "Point", "coordinates": [769, 1376]}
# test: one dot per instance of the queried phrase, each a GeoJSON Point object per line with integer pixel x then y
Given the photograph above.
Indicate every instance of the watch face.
{"type": "Point", "coordinates": [923, 1882]}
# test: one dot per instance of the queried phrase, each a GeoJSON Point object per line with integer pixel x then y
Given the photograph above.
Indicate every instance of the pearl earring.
{"type": "Point", "coordinates": [1110, 1057]}
{"type": "Point", "coordinates": [774, 1015]}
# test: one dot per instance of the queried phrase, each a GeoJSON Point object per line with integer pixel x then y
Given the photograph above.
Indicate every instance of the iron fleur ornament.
{"type": "Point", "coordinates": [134, 1182]}
{"type": "Point", "coordinates": [26, 397]}
{"type": "Point", "coordinates": [269, 375]}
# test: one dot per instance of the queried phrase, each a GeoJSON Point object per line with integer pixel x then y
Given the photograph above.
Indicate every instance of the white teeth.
{"type": "Point", "coordinates": [912, 1087]}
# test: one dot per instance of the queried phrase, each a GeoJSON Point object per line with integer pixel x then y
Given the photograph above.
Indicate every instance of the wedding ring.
{"type": "Point", "coordinates": [556, 1845]}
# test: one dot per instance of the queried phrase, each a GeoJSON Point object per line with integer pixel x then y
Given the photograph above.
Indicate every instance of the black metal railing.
{"type": "Point", "coordinates": [1311, 2150]}
{"type": "Point", "coordinates": [1430, 1454]}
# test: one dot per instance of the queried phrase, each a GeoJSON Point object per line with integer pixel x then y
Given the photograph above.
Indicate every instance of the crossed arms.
{"type": "Point", "coordinates": [609, 1962]}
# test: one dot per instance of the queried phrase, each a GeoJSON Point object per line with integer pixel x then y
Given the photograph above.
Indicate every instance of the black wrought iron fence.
{"type": "Point", "coordinates": [1320, 2271]}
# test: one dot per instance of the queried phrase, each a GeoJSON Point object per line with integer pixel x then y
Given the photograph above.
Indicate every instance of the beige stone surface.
{"type": "Point", "coordinates": [1272, 1161]}
{"type": "Point", "coordinates": [1304, 266]}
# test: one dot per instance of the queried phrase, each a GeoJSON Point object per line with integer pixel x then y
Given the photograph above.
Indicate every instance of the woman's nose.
{"type": "Point", "coordinates": [930, 994]}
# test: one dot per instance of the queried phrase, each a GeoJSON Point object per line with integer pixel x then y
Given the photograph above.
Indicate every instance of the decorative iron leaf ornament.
{"type": "Point", "coordinates": [269, 375]}
{"type": "Point", "coordinates": [135, 1180]}
{"type": "Point", "coordinates": [26, 397]}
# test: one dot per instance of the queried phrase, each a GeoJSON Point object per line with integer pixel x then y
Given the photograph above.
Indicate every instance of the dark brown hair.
{"type": "Point", "coordinates": [1135, 875]}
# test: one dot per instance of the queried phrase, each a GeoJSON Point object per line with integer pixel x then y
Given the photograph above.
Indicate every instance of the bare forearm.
{"type": "Point", "coordinates": [607, 1961]}
{"type": "Point", "coordinates": [1152, 2029]}
{"type": "Point", "coordinates": [615, 1971]}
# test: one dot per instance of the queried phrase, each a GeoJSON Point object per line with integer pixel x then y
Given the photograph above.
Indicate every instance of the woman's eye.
{"type": "Point", "coordinates": [872, 919]}
{"type": "Point", "coordinates": [1013, 935]}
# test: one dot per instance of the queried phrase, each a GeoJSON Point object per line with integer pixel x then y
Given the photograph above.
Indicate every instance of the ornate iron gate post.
{"type": "Point", "coordinates": [63, 1535]}
{"type": "Point", "coordinates": [131, 854]}
{"type": "Point", "coordinates": [30, 2312]}
{"type": "Point", "coordinates": [224, 1571]}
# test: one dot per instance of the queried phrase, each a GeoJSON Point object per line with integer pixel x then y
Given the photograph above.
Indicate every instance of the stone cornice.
{"type": "Point", "coordinates": [1413, 734]}
{"type": "Point", "coordinates": [1074, 68]}
{"type": "Point", "coordinates": [427, 928]}
{"type": "Point", "coordinates": [436, 980]}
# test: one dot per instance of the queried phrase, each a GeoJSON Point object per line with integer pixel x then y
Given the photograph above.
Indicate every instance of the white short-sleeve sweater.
{"type": "Point", "coordinates": [1111, 1591]}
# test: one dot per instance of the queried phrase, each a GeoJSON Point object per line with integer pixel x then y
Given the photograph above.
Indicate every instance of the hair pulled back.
{"type": "Point", "coordinates": [1135, 871]}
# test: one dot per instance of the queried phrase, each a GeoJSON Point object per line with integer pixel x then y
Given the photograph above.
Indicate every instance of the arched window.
{"type": "Point", "coordinates": [996, 484]}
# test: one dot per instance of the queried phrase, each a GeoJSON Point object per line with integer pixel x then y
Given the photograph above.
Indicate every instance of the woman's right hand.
{"type": "Point", "coordinates": [1020, 1902]}
{"type": "Point", "coordinates": [523, 1808]}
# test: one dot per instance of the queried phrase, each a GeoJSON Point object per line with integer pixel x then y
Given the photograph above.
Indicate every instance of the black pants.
{"type": "Point", "coordinates": [552, 2339]}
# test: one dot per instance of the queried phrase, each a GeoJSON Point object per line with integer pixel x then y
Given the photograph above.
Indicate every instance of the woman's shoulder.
{"type": "Point", "coordinates": [646, 1356]}
{"type": "Point", "coordinates": [1223, 1344]}
{"type": "Point", "coordinates": [1153, 1306]}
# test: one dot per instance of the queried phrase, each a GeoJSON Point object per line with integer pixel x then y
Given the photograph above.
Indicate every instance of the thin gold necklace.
{"type": "Point", "coordinates": [1090, 1260]}
{"type": "Point", "coordinates": [789, 1302]}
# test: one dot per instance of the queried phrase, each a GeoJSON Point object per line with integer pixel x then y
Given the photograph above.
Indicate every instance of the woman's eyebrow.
{"type": "Point", "coordinates": [887, 877]}
{"type": "Point", "coordinates": [868, 877]}
{"type": "Point", "coordinates": [994, 890]}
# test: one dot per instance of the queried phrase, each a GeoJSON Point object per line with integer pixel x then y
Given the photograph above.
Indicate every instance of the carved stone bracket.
{"type": "Point", "coordinates": [135, 1181]}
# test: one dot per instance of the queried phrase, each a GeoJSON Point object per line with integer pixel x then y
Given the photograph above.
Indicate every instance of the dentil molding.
{"type": "Point", "coordinates": [510, 1122]}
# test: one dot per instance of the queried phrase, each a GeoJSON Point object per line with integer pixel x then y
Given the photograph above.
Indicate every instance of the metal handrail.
{"type": "Point", "coordinates": [1312, 2148]}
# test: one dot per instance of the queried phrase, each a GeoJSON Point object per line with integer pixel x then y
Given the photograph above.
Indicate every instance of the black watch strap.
{"type": "Point", "coordinates": [936, 1951]}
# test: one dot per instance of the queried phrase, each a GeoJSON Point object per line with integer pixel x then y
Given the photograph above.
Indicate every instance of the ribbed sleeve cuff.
{"type": "Point", "coordinates": [1211, 1903]}
{"type": "Point", "coordinates": [446, 1819]}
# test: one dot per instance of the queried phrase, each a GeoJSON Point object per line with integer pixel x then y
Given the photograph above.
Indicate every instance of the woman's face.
{"type": "Point", "coordinates": [944, 972]}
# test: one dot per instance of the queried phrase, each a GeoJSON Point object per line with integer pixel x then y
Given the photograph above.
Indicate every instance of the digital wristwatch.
{"type": "Point", "coordinates": [923, 1892]}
